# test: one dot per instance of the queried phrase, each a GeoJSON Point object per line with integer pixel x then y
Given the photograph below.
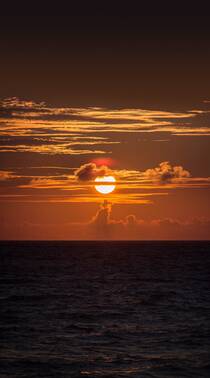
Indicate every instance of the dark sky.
{"type": "Point", "coordinates": [122, 55]}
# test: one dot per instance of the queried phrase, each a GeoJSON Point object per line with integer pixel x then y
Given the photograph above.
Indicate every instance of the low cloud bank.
{"type": "Point", "coordinates": [103, 226]}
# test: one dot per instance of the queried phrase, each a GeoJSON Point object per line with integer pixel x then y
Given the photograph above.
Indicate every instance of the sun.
{"type": "Point", "coordinates": [105, 188]}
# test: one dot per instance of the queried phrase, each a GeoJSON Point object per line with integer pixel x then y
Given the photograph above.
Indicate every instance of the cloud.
{"type": "Point", "coordinates": [103, 227]}
{"type": "Point", "coordinates": [6, 175]}
{"type": "Point", "coordinates": [89, 171]}
{"type": "Point", "coordinates": [15, 103]}
{"type": "Point", "coordinates": [166, 173]}
{"type": "Point", "coordinates": [102, 219]}
{"type": "Point", "coordinates": [101, 223]}
{"type": "Point", "coordinates": [20, 117]}
{"type": "Point", "coordinates": [132, 186]}
{"type": "Point", "coordinates": [102, 216]}
{"type": "Point", "coordinates": [50, 149]}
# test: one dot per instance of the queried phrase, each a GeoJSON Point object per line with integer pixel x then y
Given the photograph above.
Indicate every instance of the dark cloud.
{"type": "Point", "coordinates": [102, 216]}
{"type": "Point", "coordinates": [165, 173]}
{"type": "Point", "coordinates": [90, 171]}
{"type": "Point", "coordinates": [102, 224]}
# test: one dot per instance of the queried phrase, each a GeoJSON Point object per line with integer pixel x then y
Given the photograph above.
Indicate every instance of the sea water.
{"type": "Point", "coordinates": [105, 309]}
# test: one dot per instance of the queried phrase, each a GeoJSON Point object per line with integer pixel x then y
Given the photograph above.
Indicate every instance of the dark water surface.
{"type": "Point", "coordinates": [105, 309]}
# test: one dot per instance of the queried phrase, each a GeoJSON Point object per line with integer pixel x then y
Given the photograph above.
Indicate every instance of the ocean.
{"type": "Point", "coordinates": [105, 309]}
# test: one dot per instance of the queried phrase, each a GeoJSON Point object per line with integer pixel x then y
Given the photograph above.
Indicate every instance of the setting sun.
{"type": "Point", "coordinates": [105, 188]}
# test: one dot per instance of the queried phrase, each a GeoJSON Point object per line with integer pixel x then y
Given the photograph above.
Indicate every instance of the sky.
{"type": "Point", "coordinates": [98, 90]}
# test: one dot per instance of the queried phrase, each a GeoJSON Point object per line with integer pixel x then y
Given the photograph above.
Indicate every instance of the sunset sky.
{"type": "Point", "coordinates": [99, 91]}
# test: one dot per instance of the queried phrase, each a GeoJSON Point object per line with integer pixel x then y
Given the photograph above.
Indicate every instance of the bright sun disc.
{"type": "Point", "coordinates": [103, 188]}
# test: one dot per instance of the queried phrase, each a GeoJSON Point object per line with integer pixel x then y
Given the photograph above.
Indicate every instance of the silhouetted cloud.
{"type": "Point", "coordinates": [102, 223]}
{"type": "Point", "coordinates": [90, 171]}
{"type": "Point", "coordinates": [102, 216]}
{"type": "Point", "coordinates": [165, 172]}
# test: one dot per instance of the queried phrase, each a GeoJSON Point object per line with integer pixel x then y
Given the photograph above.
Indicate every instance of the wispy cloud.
{"type": "Point", "coordinates": [7, 175]}
{"type": "Point", "coordinates": [51, 149]}
{"type": "Point", "coordinates": [27, 118]}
